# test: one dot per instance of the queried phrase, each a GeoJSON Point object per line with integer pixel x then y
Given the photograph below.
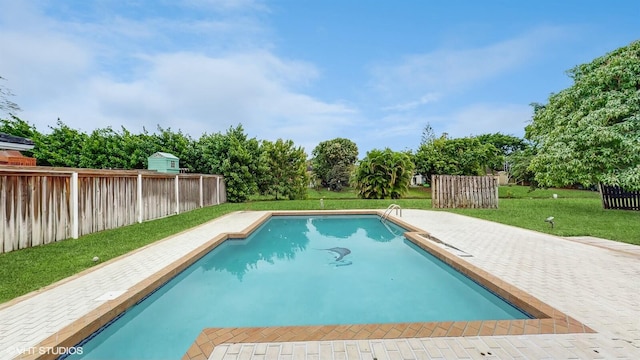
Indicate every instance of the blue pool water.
{"type": "Point", "coordinates": [299, 271]}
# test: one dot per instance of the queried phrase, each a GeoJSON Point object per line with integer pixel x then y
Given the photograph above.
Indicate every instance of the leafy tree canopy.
{"type": "Point", "coordinates": [383, 174]}
{"type": "Point", "coordinates": [62, 147]}
{"type": "Point", "coordinates": [520, 161]}
{"type": "Point", "coordinates": [505, 143]}
{"type": "Point", "coordinates": [333, 161]}
{"type": "Point", "coordinates": [281, 171]}
{"type": "Point", "coordinates": [590, 132]}
{"type": "Point", "coordinates": [236, 157]}
{"type": "Point", "coordinates": [287, 169]}
{"type": "Point", "coordinates": [180, 145]}
{"type": "Point", "coordinates": [18, 127]}
{"type": "Point", "coordinates": [462, 156]}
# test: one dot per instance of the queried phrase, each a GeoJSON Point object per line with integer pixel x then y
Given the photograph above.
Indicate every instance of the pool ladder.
{"type": "Point", "coordinates": [387, 212]}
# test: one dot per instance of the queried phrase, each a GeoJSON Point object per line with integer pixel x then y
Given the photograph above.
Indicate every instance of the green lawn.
{"type": "Point", "coordinates": [576, 213]}
{"type": "Point", "coordinates": [572, 217]}
{"type": "Point", "coordinates": [349, 193]}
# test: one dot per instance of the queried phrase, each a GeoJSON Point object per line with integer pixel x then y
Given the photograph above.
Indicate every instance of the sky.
{"type": "Point", "coordinates": [375, 72]}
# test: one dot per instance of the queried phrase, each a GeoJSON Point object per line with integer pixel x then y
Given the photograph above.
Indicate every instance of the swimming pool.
{"type": "Point", "coordinates": [299, 271]}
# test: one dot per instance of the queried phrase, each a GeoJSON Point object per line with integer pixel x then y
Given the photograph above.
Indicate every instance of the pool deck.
{"type": "Point", "coordinates": [594, 281]}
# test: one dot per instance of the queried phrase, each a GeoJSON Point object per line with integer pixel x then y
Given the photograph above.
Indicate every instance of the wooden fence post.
{"type": "Point", "coordinates": [74, 205]}
{"type": "Point", "coordinates": [139, 191]}
{"type": "Point", "coordinates": [201, 192]}
{"type": "Point", "coordinates": [177, 195]}
{"type": "Point", "coordinates": [217, 190]}
{"type": "Point", "coordinates": [434, 194]}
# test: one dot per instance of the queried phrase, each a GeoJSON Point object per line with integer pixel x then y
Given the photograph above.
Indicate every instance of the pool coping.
{"type": "Point", "coordinates": [548, 320]}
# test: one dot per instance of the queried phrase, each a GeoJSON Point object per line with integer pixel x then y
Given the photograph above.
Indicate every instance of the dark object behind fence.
{"type": "Point", "coordinates": [614, 197]}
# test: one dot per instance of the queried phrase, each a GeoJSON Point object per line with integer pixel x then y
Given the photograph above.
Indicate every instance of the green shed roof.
{"type": "Point", "coordinates": [164, 155]}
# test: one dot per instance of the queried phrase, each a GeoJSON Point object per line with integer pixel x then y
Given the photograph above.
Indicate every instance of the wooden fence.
{"type": "Point", "coordinates": [614, 197]}
{"type": "Point", "coordinates": [449, 191]}
{"type": "Point", "coordinates": [43, 205]}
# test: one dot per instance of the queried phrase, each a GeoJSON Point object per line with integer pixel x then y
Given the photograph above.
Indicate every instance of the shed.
{"type": "Point", "coordinates": [164, 162]}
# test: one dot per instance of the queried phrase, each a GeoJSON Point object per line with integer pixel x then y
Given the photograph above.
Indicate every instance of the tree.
{"type": "Point", "coordinates": [462, 156]}
{"type": "Point", "coordinates": [62, 147]}
{"type": "Point", "coordinates": [18, 127]}
{"type": "Point", "coordinates": [505, 143]}
{"type": "Point", "coordinates": [519, 161]}
{"type": "Point", "coordinates": [6, 105]}
{"type": "Point", "coordinates": [180, 145]}
{"type": "Point", "coordinates": [333, 161]}
{"type": "Point", "coordinates": [383, 174]}
{"type": "Point", "coordinates": [104, 149]}
{"type": "Point", "coordinates": [235, 157]}
{"type": "Point", "coordinates": [428, 135]}
{"type": "Point", "coordinates": [139, 147]}
{"type": "Point", "coordinates": [589, 133]}
{"type": "Point", "coordinates": [287, 170]}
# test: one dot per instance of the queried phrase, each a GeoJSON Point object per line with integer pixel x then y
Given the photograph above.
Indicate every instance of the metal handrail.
{"type": "Point", "coordinates": [390, 208]}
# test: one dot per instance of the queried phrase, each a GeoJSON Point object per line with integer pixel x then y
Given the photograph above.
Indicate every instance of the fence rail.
{"type": "Point", "coordinates": [614, 197]}
{"type": "Point", "coordinates": [43, 205]}
{"type": "Point", "coordinates": [452, 191]}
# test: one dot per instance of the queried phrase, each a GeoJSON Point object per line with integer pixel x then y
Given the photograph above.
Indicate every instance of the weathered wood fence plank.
{"type": "Point", "coordinates": [106, 202]}
{"type": "Point", "coordinates": [189, 193]}
{"type": "Point", "coordinates": [452, 191]}
{"type": "Point", "coordinates": [34, 210]}
{"type": "Point", "coordinates": [36, 205]}
{"type": "Point", "coordinates": [211, 192]}
{"type": "Point", "coordinates": [158, 197]}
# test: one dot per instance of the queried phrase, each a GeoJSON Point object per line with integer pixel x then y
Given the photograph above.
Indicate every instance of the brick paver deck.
{"type": "Point", "coordinates": [594, 281]}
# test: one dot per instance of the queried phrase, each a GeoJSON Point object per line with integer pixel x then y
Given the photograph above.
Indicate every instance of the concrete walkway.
{"type": "Point", "coordinates": [595, 281]}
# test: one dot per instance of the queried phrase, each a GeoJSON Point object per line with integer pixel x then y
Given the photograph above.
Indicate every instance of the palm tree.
{"type": "Point", "coordinates": [383, 174]}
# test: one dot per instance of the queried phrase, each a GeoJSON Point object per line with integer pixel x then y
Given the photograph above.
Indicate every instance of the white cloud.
{"type": "Point", "coordinates": [398, 131]}
{"type": "Point", "coordinates": [59, 70]}
{"type": "Point", "coordinates": [479, 119]}
{"type": "Point", "coordinates": [425, 99]}
{"type": "Point", "coordinates": [257, 90]}
{"type": "Point", "coordinates": [43, 70]}
{"type": "Point", "coordinates": [403, 130]}
{"type": "Point", "coordinates": [207, 73]}
{"type": "Point", "coordinates": [203, 94]}
{"type": "Point", "coordinates": [448, 71]}
{"type": "Point", "coordinates": [441, 88]}
{"type": "Point", "coordinates": [227, 5]}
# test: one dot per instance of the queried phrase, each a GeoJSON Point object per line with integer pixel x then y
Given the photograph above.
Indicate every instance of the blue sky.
{"type": "Point", "coordinates": [375, 72]}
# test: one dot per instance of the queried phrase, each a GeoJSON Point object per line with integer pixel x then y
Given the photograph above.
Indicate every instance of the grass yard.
{"type": "Point", "coordinates": [576, 212]}
{"type": "Point", "coordinates": [349, 193]}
